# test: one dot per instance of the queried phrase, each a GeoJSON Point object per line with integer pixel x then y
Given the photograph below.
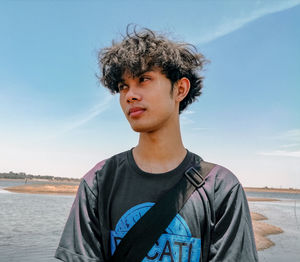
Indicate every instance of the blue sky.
{"type": "Point", "coordinates": [56, 119]}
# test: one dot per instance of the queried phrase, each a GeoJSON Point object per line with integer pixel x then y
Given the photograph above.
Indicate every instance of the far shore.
{"type": "Point", "coordinates": [272, 190]}
{"type": "Point", "coordinates": [33, 180]}
{"type": "Point", "coordinates": [261, 229]}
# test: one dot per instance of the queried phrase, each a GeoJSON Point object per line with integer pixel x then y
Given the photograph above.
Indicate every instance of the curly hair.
{"type": "Point", "coordinates": [141, 51]}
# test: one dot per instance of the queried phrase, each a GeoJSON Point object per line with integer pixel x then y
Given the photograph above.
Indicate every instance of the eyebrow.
{"type": "Point", "coordinates": [122, 80]}
{"type": "Point", "coordinates": [145, 71]}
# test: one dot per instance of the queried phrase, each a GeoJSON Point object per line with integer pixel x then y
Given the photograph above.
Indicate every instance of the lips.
{"type": "Point", "coordinates": [136, 111]}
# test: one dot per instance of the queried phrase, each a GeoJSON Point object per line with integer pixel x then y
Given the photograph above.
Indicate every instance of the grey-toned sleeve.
{"type": "Point", "coordinates": [80, 238]}
{"type": "Point", "coordinates": [232, 236]}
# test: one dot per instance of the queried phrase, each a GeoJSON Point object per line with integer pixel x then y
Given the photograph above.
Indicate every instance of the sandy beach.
{"type": "Point", "coordinates": [261, 229]}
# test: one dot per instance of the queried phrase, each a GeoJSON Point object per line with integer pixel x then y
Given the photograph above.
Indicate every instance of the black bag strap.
{"type": "Point", "coordinates": [141, 237]}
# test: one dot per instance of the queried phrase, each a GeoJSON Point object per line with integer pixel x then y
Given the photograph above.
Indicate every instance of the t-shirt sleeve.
{"type": "Point", "coordinates": [80, 238]}
{"type": "Point", "coordinates": [232, 236]}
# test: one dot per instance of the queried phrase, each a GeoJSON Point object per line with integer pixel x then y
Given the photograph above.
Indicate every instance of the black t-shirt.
{"type": "Point", "coordinates": [213, 225]}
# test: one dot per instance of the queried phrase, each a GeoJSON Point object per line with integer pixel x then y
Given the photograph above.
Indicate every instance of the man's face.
{"type": "Point", "coordinates": [147, 101]}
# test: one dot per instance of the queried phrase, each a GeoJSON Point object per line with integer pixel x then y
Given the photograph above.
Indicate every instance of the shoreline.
{"type": "Point", "coordinates": [261, 229]}
{"type": "Point", "coordinates": [61, 188]}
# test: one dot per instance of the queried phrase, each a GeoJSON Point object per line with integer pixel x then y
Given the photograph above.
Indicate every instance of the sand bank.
{"type": "Point", "coordinates": [44, 189]}
{"type": "Point", "coordinates": [261, 199]}
{"type": "Point", "coordinates": [261, 230]}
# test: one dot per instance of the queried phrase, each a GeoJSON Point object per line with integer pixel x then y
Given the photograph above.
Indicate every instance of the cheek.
{"type": "Point", "coordinates": [164, 106]}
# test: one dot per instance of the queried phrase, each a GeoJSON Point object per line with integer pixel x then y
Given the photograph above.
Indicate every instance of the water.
{"type": "Point", "coordinates": [7, 183]}
{"type": "Point", "coordinates": [286, 215]}
{"type": "Point", "coordinates": [31, 225]}
{"type": "Point", "coordinates": [281, 196]}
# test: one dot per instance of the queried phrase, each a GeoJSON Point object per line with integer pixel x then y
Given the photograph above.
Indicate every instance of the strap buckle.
{"type": "Point", "coordinates": [194, 177]}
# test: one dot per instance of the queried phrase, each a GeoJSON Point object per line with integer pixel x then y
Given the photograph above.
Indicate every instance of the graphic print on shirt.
{"type": "Point", "coordinates": [175, 245]}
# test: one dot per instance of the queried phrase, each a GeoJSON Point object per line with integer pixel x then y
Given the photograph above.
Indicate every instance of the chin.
{"type": "Point", "coordinates": [142, 128]}
{"type": "Point", "coordinates": [139, 129]}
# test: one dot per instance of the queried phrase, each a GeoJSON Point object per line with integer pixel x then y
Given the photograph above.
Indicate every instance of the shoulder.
{"type": "Point", "coordinates": [91, 179]}
{"type": "Point", "coordinates": [222, 185]}
{"type": "Point", "coordinates": [216, 175]}
{"type": "Point", "coordinates": [223, 178]}
{"type": "Point", "coordinates": [220, 179]}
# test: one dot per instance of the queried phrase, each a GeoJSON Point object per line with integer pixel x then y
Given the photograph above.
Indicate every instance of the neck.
{"type": "Point", "coordinates": [160, 151]}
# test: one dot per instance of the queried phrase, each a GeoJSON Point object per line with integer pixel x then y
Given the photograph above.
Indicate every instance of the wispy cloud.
{"type": "Point", "coordinates": [185, 117]}
{"type": "Point", "coordinates": [230, 24]}
{"type": "Point", "coordinates": [291, 146]}
{"type": "Point", "coordinates": [188, 112]}
{"type": "Point", "coordinates": [184, 120]}
{"type": "Point", "coordinates": [92, 113]}
{"type": "Point", "coordinates": [80, 120]}
{"type": "Point", "coordinates": [292, 135]}
{"type": "Point", "coordinates": [295, 145]}
{"type": "Point", "coordinates": [281, 153]}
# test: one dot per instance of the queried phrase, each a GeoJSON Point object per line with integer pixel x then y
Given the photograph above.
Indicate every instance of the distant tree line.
{"type": "Point", "coordinates": [22, 175]}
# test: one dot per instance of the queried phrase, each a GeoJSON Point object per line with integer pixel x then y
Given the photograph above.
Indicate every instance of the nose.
{"type": "Point", "coordinates": [132, 95]}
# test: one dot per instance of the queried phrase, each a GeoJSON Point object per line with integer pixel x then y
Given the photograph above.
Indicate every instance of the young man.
{"type": "Point", "coordinates": [156, 79]}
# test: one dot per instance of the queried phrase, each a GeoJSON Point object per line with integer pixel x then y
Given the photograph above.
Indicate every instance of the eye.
{"type": "Point", "coordinates": [122, 86]}
{"type": "Point", "coordinates": [144, 79]}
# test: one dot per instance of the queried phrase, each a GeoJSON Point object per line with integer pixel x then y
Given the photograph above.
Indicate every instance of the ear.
{"type": "Point", "coordinates": [182, 87]}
